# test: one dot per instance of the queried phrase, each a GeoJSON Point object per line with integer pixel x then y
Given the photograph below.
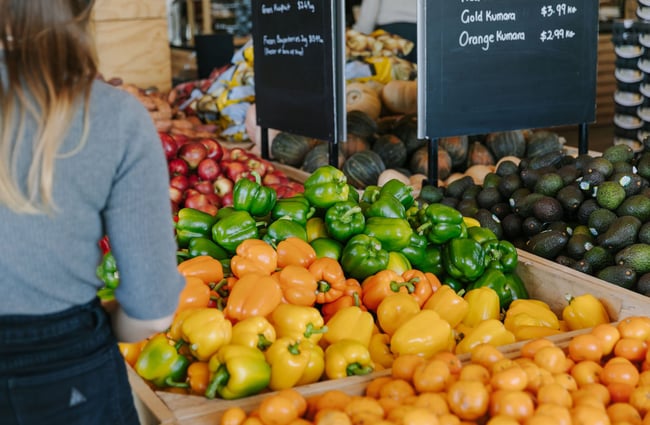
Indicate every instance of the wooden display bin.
{"type": "Point", "coordinates": [132, 42]}
{"type": "Point", "coordinates": [544, 279]}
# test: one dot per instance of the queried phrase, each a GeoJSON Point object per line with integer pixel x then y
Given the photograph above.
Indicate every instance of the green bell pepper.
{"type": "Point", "coordinates": [442, 223]}
{"type": "Point", "coordinates": [192, 223]}
{"type": "Point", "coordinates": [326, 186]}
{"type": "Point", "coordinates": [225, 212]}
{"type": "Point", "coordinates": [481, 234]}
{"type": "Point", "coordinates": [282, 229]}
{"type": "Point", "coordinates": [496, 280]}
{"type": "Point", "coordinates": [463, 259]}
{"type": "Point", "coordinates": [456, 284]}
{"type": "Point", "coordinates": [327, 247]}
{"type": "Point", "coordinates": [431, 262]}
{"type": "Point", "coordinates": [160, 363]}
{"type": "Point", "coordinates": [516, 286]}
{"type": "Point", "coordinates": [393, 233]}
{"type": "Point", "coordinates": [107, 271]}
{"type": "Point", "coordinates": [252, 197]}
{"type": "Point", "coordinates": [205, 246]}
{"type": "Point", "coordinates": [237, 371]}
{"type": "Point", "coordinates": [370, 194]}
{"type": "Point", "coordinates": [363, 256]}
{"type": "Point", "coordinates": [415, 251]}
{"type": "Point", "coordinates": [344, 220]}
{"type": "Point", "coordinates": [353, 194]}
{"type": "Point", "coordinates": [233, 229]}
{"type": "Point", "coordinates": [402, 192]}
{"type": "Point", "coordinates": [500, 254]}
{"type": "Point", "coordinates": [296, 207]}
{"type": "Point", "coordinates": [398, 262]}
{"type": "Point", "coordinates": [385, 206]}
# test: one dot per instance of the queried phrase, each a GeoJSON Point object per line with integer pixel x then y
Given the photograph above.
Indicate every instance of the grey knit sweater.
{"type": "Point", "coordinates": [117, 185]}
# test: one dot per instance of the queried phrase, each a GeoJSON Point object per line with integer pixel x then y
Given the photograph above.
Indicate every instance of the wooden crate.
{"type": "Point", "coordinates": [544, 279]}
{"type": "Point", "coordinates": [133, 42]}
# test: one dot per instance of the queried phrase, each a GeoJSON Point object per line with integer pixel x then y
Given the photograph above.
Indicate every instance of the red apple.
{"type": "Point", "coordinates": [178, 166]}
{"type": "Point", "coordinates": [222, 186]}
{"type": "Point", "coordinates": [175, 194]}
{"type": "Point", "coordinates": [226, 200]}
{"type": "Point", "coordinates": [274, 178]}
{"type": "Point", "coordinates": [181, 139]}
{"type": "Point", "coordinates": [208, 169]}
{"type": "Point", "coordinates": [193, 153]}
{"type": "Point", "coordinates": [180, 182]}
{"type": "Point", "coordinates": [213, 199]}
{"type": "Point", "coordinates": [191, 192]}
{"type": "Point", "coordinates": [233, 169]}
{"type": "Point", "coordinates": [256, 164]}
{"type": "Point", "coordinates": [239, 154]}
{"type": "Point", "coordinates": [170, 147]}
{"type": "Point", "coordinates": [204, 186]}
{"type": "Point", "coordinates": [200, 202]}
{"type": "Point", "coordinates": [215, 150]}
{"type": "Point", "coordinates": [192, 179]}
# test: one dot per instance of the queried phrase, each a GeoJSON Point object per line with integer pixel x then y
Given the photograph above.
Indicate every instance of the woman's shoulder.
{"type": "Point", "coordinates": [107, 98]}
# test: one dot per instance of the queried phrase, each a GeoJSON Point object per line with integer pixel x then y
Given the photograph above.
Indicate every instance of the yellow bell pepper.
{"type": "Point", "coordinates": [483, 304]}
{"type": "Point", "coordinates": [490, 331]}
{"type": "Point", "coordinates": [255, 332]}
{"type": "Point", "coordinates": [448, 304]}
{"type": "Point", "coordinates": [584, 311]}
{"type": "Point", "coordinates": [424, 334]}
{"type": "Point", "coordinates": [294, 362]}
{"type": "Point", "coordinates": [380, 350]}
{"type": "Point", "coordinates": [347, 357]}
{"type": "Point", "coordinates": [523, 333]}
{"type": "Point", "coordinates": [205, 330]}
{"type": "Point", "coordinates": [530, 313]}
{"type": "Point", "coordinates": [298, 322]}
{"type": "Point", "coordinates": [396, 309]}
{"type": "Point", "coordinates": [350, 323]}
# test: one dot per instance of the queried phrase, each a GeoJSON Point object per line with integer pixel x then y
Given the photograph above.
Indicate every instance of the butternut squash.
{"type": "Point", "coordinates": [360, 97]}
{"type": "Point", "coordinates": [400, 96]}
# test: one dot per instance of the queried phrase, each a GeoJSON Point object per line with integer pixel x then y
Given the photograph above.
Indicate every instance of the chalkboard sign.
{"type": "Point", "coordinates": [298, 62]}
{"type": "Point", "coordinates": [496, 65]}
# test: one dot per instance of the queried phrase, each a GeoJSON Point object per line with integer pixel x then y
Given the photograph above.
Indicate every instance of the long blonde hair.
{"type": "Point", "coordinates": [51, 64]}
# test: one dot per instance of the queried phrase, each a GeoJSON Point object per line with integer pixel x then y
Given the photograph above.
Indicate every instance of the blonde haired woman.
{"type": "Point", "coordinates": [78, 159]}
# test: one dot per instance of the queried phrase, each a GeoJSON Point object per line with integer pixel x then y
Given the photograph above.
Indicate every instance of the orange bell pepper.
{"type": "Point", "coordinates": [294, 251]}
{"type": "Point", "coordinates": [254, 294]}
{"type": "Point", "coordinates": [351, 297]}
{"type": "Point", "coordinates": [424, 284]}
{"type": "Point", "coordinates": [298, 285]}
{"type": "Point", "coordinates": [195, 294]}
{"type": "Point", "coordinates": [204, 267]}
{"type": "Point", "coordinates": [198, 376]}
{"type": "Point", "coordinates": [330, 277]}
{"type": "Point", "coordinates": [131, 350]}
{"type": "Point", "coordinates": [254, 256]}
{"type": "Point", "coordinates": [380, 285]}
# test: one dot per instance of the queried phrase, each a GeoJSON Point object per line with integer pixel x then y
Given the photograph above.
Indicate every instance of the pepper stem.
{"type": "Point", "coordinates": [310, 330]}
{"type": "Point", "coordinates": [169, 382]}
{"type": "Point", "coordinates": [396, 286]}
{"type": "Point", "coordinates": [324, 286]}
{"type": "Point", "coordinates": [293, 348]}
{"type": "Point", "coordinates": [423, 227]}
{"type": "Point", "coordinates": [356, 298]}
{"type": "Point", "coordinates": [258, 178]}
{"type": "Point", "coordinates": [346, 216]}
{"type": "Point", "coordinates": [262, 342]}
{"type": "Point", "coordinates": [221, 377]}
{"type": "Point", "coordinates": [355, 369]}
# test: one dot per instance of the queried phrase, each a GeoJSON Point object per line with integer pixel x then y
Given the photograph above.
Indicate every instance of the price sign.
{"type": "Point", "coordinates": [495, 65]}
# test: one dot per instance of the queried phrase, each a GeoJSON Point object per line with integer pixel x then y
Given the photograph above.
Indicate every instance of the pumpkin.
{"type": "Point", "coordinates": [363, 169]}
{"type": "Point", "coordinates": [391, 150]}
{"type": "Point", "coordinates": [419, 163]}
{"type": "Point", "coordinates": [478, 172]}
{"type": "Point", "coordinates": [359, 97]}
{"type": "Point", "coordinates": [386, 123]}
{"type": "Point", "coordinates": [400, 96]}
{"type": "Point", "coordinates": [392, 174]}
{"type": "Point", "coordinates": [406, 128]}
{"type": "Point", "coordinates": [543, 142]}
{"type": "Point", "coordinates": [479, 154]}
{"type": "Point", "coordinates": [361, 124]}
{"type": "Point", "coordinates": [507, 143]}
{"type": "Point", "coordinates": [319, 156]}
{"type": "Point", "coordinates": [458, 148]}
{"type": "Point", "coordinates": [291, 149]}
{"type": "Point", "coordinates": [354, 144]}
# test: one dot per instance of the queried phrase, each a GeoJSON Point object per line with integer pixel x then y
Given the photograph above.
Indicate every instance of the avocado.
{"type": "Point", "coordinates": [581, 229]}
{"type": "Point", "coordinates": [643, 165]}
{"type": "Point", "coordinates": [456, 188]}
{"type": "Point", "coordinates": [618, 153]}
{"type": "Point", "coordinates": [633, 184]}
{"type": "Point", "coordinates": [547, 209]}
{"type": "Point", "coordinates": [560, 226]}
{"type": "Point", "coordinates": [569, 173]}
{"type": "Point", "coordinates": [524, 206]}
{"type": "Point", "coordinates": [549, 184]}
{"type": "Point", "coordinates": [531, 226]}
{"type": "Point", "coordinates": [488, 220]}
{"type": "Point", "coordinates": [570, 197]}
{"type": "Point", "coordinates": [518, 194]}
{"type": "Point", "coordinates": [610, 194]}
{"type": "Point", "coordinates": [578, 245]}
{"type": "Point", "coordinates": [506, 168]}
{"type": "Point", "coordinates": [621, 233]}
{"type": "Point", "coordinates": [467, 207]}
{"type": "Point", "coordinates": [529, 177]}
{"type": "Point", "coordinates": [582, 162]}
{"type": "Point", "coordinates": [590, 180]}
{"type": "Point", "coordinates": [508, 184]}
{"type": "Point", "coordinates": [431, 194]}
{"type": "Point", "coordinates": [585, 210]}
{"type": "Point", "coordinates": [599, 258]}
{"type": "Point", "coordinates": [603, 165]}
{"type": "Point", "coordinates": [449, 201]}
{"type": "Point", "coordinates": [622, 167]}
{"type": "Point", "coordinates": [471, 192]}
{"type": "Point", "coordinates": [636, 256]}
{"type": "Point", "coordinates": [488, 197]}
{"type": "Point", "coordinates": [637, 206]}
{"type": "Point", "coordinates": [491, 180]}
{"type": "Point", "coordinates": [600, 220]}
{"type": "Point", "coordinates": [579, 265]}
{"type": "Point", "coordinates": [550, 159]}
{"type": "Point", "coordinates": [622, 276]}
{"type": "Point", "coordinates": [547, 244]}
{"type": "Point", "coordinates": [643, 284]}
{"type": "Point", "coordinates": [512, 226]}
{"type": "Point", "coordinates": [501, 210]}
{"type": "Point", "coordinates": [644, 233]}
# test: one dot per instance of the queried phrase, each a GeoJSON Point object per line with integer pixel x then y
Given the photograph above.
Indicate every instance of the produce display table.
{"type": "Point", "coordinates": [545, 280]}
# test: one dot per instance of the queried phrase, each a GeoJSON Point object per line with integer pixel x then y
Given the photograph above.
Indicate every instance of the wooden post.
{"type": "Point", "coordinates": [191, 20]}
{"type": "Point", "coordinates": [206, 13]}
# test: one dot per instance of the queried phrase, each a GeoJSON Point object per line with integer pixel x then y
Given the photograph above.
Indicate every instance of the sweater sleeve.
{"type": "Point", "coordinates": [367, 19]}
{"type": "Point", "coordinates": [138, 220]}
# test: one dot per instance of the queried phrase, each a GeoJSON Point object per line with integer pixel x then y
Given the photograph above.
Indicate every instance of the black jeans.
{"type": "Point", "coordinates": [63, 368]}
